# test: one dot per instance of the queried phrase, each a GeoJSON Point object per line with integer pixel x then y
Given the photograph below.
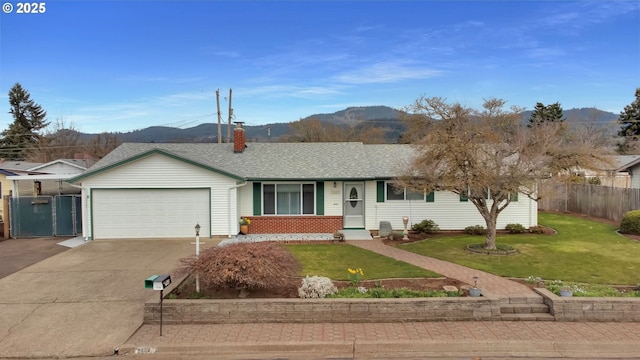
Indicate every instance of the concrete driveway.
{"type": "Point", "coordinates": [17, 254]}
{"type": "Point", "coordinates": [85, 301]}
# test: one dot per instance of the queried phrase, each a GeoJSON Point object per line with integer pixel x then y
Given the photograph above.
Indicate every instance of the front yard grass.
{"type": "Point", "coordinates": [582, 251]}
{"type": "Point", "coordinates": [333, 260]}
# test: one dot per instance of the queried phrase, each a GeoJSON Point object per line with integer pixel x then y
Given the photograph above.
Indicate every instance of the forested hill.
{"type": "Point", "coordinates": [378, 116]}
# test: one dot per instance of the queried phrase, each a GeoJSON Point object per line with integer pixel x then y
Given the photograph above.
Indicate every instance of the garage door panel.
{"type": "Point", "coordinates": [149, 213]}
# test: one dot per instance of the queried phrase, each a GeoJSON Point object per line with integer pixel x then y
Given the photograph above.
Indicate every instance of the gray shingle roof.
{"type": "Point", "coordinates": [273, 161]}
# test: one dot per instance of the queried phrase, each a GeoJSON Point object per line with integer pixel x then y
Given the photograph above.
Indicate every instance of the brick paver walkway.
{"type": "Point", "coordinates": [539, 331]}
{"type": "Point", "coordinates": [495, 285]}
{"type": "Point", "coordinates": [472, 339]}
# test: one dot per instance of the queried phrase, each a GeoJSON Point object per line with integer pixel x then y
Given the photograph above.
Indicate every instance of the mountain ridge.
{"type": "Point", "coordinates": [380, 116]}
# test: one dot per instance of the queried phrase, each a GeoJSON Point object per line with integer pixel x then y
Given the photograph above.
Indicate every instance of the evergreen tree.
{"type": "Point", "coordinates": [548, 113]}
{"type": "Point", "coordinates": [630, 125]}
{"type": "Point", "coordinates": [28, 118]}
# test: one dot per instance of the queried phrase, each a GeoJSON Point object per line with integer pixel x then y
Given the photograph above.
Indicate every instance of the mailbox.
{"type": "Point", "coordinates": [157, 282]}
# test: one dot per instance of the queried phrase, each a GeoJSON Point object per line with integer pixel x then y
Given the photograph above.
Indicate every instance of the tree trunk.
{"type": "Point", "coordinates": [490, 241]}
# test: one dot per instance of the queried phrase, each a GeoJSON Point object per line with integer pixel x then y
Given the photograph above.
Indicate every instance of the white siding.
{"type": "Point", "coordinates": [159, 171]}
{"type": "Point", "coordinates": [635, 177]}
{"type": "Point", "coordinates": [333, 199]}
{"type": "Point", "coordinates": [447, 211]}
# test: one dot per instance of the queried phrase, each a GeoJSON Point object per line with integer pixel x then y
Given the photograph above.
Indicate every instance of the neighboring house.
{"type": "Point", "coordinates": [630, 165]}
{"type": "Point", "coordinates": [163, 190]}
{"type": "Point", "coordinates": [48, 178]}
{"type": "Point", "coordinates": [12, 168]}
{"type": "Point", "coordinates": [42, 202]}
{"type": "Point", "coordinates": [613, 174]}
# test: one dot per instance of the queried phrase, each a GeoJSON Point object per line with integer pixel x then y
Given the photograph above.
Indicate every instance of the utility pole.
{"type": "Point", "coordinates": [219, 119]}
{"type": "Point", "coordinates": [230, 115]}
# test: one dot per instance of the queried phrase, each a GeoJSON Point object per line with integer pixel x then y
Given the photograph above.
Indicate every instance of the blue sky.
{"type": "Point", "coordinates": [126, 65]}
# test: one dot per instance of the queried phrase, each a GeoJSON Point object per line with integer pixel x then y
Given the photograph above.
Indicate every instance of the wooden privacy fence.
{"type": "Point", "coordinates": [591, 200]}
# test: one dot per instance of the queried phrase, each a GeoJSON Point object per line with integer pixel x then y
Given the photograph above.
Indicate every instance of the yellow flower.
{"type": "Point", "coordinates": [351, 271]}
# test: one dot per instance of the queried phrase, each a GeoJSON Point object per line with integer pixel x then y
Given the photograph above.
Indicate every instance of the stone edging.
{"type": "Point", "coordinates": [322, 310]}
{"type": "Point", "coordinates": [617, 309]}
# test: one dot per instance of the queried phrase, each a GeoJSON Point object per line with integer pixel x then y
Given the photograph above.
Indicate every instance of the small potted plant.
{"type": "Point", "coordinates": [338, 236]}
{"type": "Point", "coordinates": [475, 291]}
{"type": "Point", "coordinates": [566, 291]}
{"type": "Point", "coordinates": [244, 225]}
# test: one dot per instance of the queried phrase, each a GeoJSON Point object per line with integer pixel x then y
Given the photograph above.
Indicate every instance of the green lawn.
{"type": "Point", "coordinates": [333, 260]}
{"type": "Point", "coordinates": [582, 251]}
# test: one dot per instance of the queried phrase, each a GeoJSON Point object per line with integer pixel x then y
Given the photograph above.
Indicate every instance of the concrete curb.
{"type": "Point", "coordinates": [399, 349]}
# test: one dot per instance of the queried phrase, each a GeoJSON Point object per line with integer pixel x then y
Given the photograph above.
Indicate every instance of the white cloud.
{"type": "Point", "coordinates": [387, 72]}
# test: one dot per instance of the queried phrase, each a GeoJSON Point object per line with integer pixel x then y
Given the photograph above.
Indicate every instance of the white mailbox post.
{"type": "Point", "coordinates": [158, 282]}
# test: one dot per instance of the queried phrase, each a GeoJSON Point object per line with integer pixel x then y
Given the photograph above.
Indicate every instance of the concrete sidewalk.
{"type": "Point", "coordinates": [463, 339]}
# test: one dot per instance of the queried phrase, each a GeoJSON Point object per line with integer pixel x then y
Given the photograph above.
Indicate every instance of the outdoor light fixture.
{"type": "Point", "coordinates": [197, 243]}
{"type": "Point", "coordinates": [334, 184]}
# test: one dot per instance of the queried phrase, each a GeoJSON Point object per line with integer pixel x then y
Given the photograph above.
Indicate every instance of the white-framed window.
{"type": "Point", "coordinates": [288, 199]}
{"type": "Point", "coordinates": [395, 193]}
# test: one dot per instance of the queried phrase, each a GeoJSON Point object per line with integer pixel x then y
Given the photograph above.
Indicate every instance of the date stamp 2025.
{"type": "Point", "coordinates": [25, 8]}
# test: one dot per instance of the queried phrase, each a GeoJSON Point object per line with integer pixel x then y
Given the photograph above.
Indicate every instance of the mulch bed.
{"type": "Point", "coordinates": [187, 288]}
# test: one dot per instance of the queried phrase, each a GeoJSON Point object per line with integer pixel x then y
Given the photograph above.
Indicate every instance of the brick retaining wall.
{"type": "Point", "coordinates": [321, 310]}
{"type": "Point", "coordinates": [591, 309]}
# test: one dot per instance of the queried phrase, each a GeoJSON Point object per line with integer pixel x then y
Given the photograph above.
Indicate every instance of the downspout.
{"type": "Point", "coordinates": [229, 203]}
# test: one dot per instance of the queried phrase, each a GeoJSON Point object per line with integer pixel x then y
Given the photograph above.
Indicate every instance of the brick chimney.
{"type": "Point", "coordinates": [239, 139]}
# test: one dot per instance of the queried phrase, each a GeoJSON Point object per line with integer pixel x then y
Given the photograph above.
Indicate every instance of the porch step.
{"type": "Point", "coordinates": [527, 317]}
{"type": "Point", "coordinates": [524, 309]}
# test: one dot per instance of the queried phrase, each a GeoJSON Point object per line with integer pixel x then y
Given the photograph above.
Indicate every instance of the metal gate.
{"type": "Point", "coordinates": [58, 215]}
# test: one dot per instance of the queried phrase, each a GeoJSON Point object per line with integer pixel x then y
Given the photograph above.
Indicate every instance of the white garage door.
{"type": "Point", "coordinates": [150, 213]}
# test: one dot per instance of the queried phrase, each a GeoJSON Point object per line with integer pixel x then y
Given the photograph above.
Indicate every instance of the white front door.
{"type": "Point", "coordinates": [353, 205]}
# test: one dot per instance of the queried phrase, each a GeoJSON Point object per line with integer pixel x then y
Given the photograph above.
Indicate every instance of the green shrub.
{"type": "Point", "coordinates": [515, 228]}
{"type": "Point", "coordinates": [475, 230]}
{"type": "Point", "coordinates": [594, 181]}
{"type": "Point", "coordinates": [630, 222]}
{"type": "Point", "coordinates": [426, 226]}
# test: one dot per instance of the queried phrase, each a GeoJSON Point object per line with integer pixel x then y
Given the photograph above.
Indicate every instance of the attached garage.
{"type": "Point", "coordinates": [150, 213]}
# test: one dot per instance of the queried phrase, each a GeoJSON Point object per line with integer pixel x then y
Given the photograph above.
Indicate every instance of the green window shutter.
{"type": "Point", "coordinates": [514, 196]}
{"type": "Point", "coordinates": [320, 198]}
{"type": "Point", "coordinates": [380, 191]}
{"type": "Point", "coordinates": [463, 197]}
{"type": "Point", "coordinates": [431, 197]}
{"type": "Point", "coordinates": [257, 198]}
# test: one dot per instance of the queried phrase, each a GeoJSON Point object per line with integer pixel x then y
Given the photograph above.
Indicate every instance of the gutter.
{"type": "Point", "coordinates": [229, 204]}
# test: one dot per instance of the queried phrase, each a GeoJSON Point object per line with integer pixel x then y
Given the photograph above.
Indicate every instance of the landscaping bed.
{"type": "Point", "coordinates": [187, 289]}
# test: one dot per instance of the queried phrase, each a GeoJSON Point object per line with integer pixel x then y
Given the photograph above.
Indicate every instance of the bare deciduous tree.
{"type": "Point", "coordinates": [60, 141]}
{"type": "Point", "coordinates": [313, 130]}
{"type": "Point", "coordinates": [101, 144]}
{"type": "Point", "coordinates": [489, 156]}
